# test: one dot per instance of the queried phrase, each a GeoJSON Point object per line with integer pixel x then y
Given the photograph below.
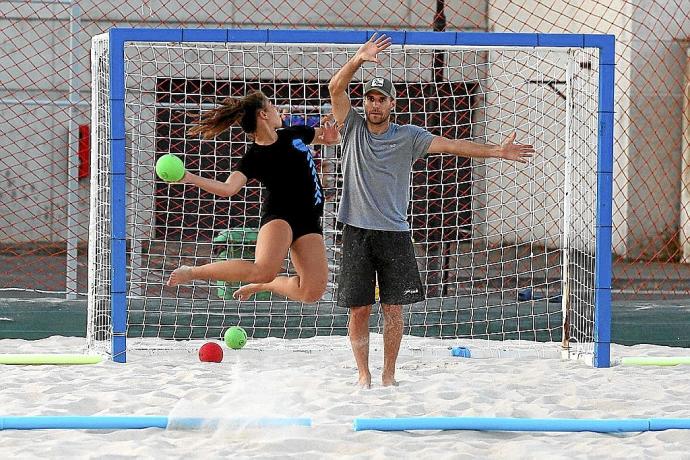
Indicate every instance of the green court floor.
{"type": "Point", "coordinates": [654, 322]}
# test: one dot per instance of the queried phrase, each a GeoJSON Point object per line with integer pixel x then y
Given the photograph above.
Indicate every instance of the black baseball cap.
{"type": "Point", "coordinates": [382, 85]}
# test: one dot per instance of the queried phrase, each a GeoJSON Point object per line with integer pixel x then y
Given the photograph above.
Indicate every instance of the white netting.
{"type": "Point", "coordinates": [494, 239]}
{"type": "Point", "coordinates": [99, 323]}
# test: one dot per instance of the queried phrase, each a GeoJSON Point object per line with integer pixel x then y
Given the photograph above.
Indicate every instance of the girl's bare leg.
{"type": "Point", "coordinates": [308, 255]}
{"type": "Point", "coordinates": [271, 248]}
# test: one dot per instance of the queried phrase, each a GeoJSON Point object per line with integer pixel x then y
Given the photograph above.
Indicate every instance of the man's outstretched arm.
{"type": "Point", "coordinates": [508, 150]}
{"type": "Point", "coordinates": [337, 87]}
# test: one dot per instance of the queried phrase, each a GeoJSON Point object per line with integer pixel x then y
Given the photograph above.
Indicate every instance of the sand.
{"type": "Point", "coordinates": [316, 378]}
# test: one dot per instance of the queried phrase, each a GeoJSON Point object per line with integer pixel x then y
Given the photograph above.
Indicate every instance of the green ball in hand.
{"type": "Point", "coordinates": [170, 168]}
{"type": "Point", "coordinates": [235, 337]}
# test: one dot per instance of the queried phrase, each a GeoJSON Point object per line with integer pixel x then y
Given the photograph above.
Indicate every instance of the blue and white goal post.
{"type": "Point", "coordinates": [515, 258]}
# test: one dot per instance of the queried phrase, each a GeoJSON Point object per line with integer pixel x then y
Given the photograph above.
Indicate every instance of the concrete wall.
{"type": "Point", "coordinates": [647, 135]}
{"type": "Point", "coordinates": [34, 65]}
{"type": "Point", "coordinates": [685, 166]}
{"type": "Point", "coordinates": [656, 87]}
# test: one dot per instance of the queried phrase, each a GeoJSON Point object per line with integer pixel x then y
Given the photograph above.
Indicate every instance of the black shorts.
{"type": "Point", "coordinates": [371, 254]}
{"type": "Point", "coordinates": [302, 224]}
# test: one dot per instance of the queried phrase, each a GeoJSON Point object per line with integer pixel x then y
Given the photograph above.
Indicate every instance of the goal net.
{"type": "Point", "coordinates": [507, 252]}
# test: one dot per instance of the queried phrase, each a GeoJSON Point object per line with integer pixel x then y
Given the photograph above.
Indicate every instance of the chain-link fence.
{"type": "Point", "coordinates": [45, 93]}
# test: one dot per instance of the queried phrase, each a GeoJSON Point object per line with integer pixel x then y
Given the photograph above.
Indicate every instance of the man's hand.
{"type": "Point", "coordinates": [337, 87]}
{"type": "Point", "coordinates": [369, 50]}
{"type": "Point", "coordinates": [509, 150]}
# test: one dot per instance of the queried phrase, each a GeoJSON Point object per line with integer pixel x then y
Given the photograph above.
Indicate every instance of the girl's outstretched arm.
{"type": "Point", "coordinates": [228, 188]}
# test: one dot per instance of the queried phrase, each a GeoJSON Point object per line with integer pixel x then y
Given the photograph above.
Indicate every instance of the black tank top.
{"type": "Point", "coordinates": [287, 170]}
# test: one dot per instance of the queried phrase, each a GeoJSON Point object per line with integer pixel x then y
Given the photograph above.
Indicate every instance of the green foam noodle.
{"type": "Point", "coordinates": [655, 360]}
{"type": "Point", "coordinates": [38, 359]}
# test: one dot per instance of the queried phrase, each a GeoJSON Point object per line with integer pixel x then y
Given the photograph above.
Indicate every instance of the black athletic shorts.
{"type": "Point", "coordinates": [301, 224]}
{"type": "Point", "coordinates": [368, 254]}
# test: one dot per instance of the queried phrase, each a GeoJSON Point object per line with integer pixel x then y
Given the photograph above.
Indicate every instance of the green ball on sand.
{"type": "Point", "coordinates": [235, 337]}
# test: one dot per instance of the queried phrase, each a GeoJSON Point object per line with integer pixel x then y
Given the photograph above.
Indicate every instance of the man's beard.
{"type": "Point", "coordinates": [382, 119]}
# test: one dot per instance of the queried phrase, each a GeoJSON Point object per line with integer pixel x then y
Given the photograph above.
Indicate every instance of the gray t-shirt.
{"type": "Point", "coordinates": [376, 173]}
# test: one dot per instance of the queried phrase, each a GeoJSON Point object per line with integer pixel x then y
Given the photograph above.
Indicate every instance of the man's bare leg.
{"type": "Point", "coordinates": [359, 339]}
{"type": "Point", "coordinates": [392, 336]}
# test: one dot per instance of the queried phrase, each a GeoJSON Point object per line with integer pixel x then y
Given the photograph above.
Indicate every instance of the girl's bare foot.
{"type": "Point", "coordinates": [180, 275]}
{"type": "Point", "coordinates": [246, 291]}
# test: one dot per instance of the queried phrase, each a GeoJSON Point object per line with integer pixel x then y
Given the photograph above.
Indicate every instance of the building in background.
{"type": "Point", "coordinates": [44, 98]}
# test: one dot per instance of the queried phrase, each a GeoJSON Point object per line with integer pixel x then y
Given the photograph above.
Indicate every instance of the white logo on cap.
{"type": "Point", "coordinates": [377, 82]}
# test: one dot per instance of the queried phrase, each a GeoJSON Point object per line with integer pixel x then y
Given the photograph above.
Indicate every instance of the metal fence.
{"type": "Point", "coordinates": [44, 108]}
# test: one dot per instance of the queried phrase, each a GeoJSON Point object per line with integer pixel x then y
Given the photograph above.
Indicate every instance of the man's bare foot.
{"type": "Point", "coordinates": [388, 381]}
{"type": "Point", "coordinates": [246, 291]}
{"type": "Point", "coordinates": [181, 274]}
{"type": "Point", "coordinates": [364, 381]}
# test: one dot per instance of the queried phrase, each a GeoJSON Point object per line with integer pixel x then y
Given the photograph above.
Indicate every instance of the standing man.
{"type": "Point", "coordinates": [377, 162]}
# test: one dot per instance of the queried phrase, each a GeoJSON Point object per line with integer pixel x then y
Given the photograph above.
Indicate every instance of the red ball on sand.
{"type": "Point", "coordinates": [211, 353]}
